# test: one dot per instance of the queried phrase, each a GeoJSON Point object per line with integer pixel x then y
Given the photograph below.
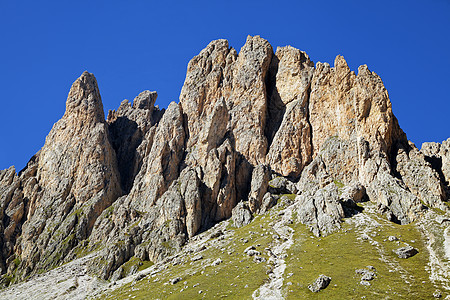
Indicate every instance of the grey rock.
{"type": "Point", "coordinates": [253, 252]}
{"type": "Point", "coordinates": [368, 276]}
{"type": "Point", "coordinates": [133, 270]}
{"type": "Point", "coordinates": [197, 257]}
{"type": "Point", "coordinates": [216, 262]}
{"type": "Point", "coordinates": [216, 234]}
{"type": "Point", "coordinates": [158, 172]}
{"type": "Point", "coordinates": [438, 155]}
{"type": "Point", "coordinates": [406, 252]}
{"type": "Point", "coordinates": [259, 259]}
{"type": "Point", "coordinates": [437, 294]}
{"type": "Point", "coordinates": [419, 176]}
{"type": "Point", "coordinates": [321, 210]}
{"type": "Point", "coordinates": [128, 127]}
{"type": "Point", "coordinates": [118, 274]}
{"type": "Point", "coordinates": [249, 248]}
{"type": "Point", "coordinates": [394, 200]}
{"type": "Point", "coordinates": [72, 179]}
{"type": "Point", "coordinates": [282, 185]}
{"type": "Point", "coordinates": [241, 215]}
{"type": "Point", "coordinates": [354, 191]}
{"type": "Point", "coordinates": [258, 187]}
{"type": "Point", "coordinates": [371, 268]}
{"type": "Point", "coordinates": [320, 283]}
{"type": "Point", "coordinates": [268, 202]}
{"type": "Point", "coordinates": [176, 280]}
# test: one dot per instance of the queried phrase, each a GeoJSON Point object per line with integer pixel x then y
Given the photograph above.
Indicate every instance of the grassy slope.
{"type": "Point", "coordinates": [235, 278]}
{"type": "Point", "coordinates": [337, 255]}
{"type": "Point", "coordinates": [340, 254]}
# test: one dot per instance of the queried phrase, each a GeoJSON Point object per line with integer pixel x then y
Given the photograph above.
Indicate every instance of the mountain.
{"type": "Point", "coordinates": [270, 171]}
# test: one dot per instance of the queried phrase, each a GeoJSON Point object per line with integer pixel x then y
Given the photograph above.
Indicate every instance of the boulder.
{"type": "Point", "coordinates": [406, 252]}
{"type": "Point", "coordinates": [320, 283]}
{"type": "Point", "coordinates": [241, 215]}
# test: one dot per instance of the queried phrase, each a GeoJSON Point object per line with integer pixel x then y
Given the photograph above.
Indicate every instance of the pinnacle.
{"type": "Point", "coordinates": [84, 98]}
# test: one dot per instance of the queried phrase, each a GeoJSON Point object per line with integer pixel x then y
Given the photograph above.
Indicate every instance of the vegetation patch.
{"type": "Point", "coordinates": [364, 243]}
{"type": "Point", "coordinates": [236, 277]}
{"type": "Point", "coordinates": [340, 254]}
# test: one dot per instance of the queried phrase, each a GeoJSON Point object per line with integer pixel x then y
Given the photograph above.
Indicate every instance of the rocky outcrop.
{"type": "Point", "coordinates": [161, 166]}
{"type": "Point", "coordinates": [291, 148]}
{"type": "Point", "coordinates": [320, 210]}
{"type": "Point", "coordinates": [12, 209]}
{"type": "Point", "coordinates": [405, 252]}
{"type": "Point", "coordinates": [351, 107]}
{"type": "Point", "coordinates": [67, 185]}
{"type": "Point", "coordinates": [248, 99]}
{"type": "Point", "coordinates": [258, 187]}
{"type": "Point", "coordinates": [128, 126]}
{"type": "Point", "coordinates": [251, 128]}
{"type": "Point", "coordinates": [318, 204]}
{"type": "Point", "coordinates": [419, 176]}
{"type": "Point", "coordinates": [438, 155]}
{"type": "Point", "coordinates": [241, 214]}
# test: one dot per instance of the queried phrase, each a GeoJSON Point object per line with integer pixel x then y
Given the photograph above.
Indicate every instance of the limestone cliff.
{"type": "Point", "coordinates": [250, 127]}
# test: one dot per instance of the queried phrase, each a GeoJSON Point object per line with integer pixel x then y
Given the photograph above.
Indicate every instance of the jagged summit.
{"type": "Point", "coordinates": [84, 99]}
{"type": "Point", "coordinates": [250, 127]}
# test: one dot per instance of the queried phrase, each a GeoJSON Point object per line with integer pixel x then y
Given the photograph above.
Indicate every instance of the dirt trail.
{"type": "Point", "coordinates": [273, 288]}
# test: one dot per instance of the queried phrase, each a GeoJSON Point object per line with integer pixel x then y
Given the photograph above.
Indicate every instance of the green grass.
{"type": "Point", "coordinates": [134, 261]}
{"type": "Point", "coordinates": [289, 196]}
{"type": "Point", "coordinates": [235, 278]}
{"type": "Point", "coordinates": [337, 255]}
{"type": "Point", "coordinates": [340, 254]}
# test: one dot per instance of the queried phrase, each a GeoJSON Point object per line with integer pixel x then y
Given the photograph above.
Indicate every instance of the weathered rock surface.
{"type": "Point", "coordinates": [67, 185]}
{"type": "Point", "coordinates": [319, 284]}
{"type": "Point", "coordinates": [282, 185]}
{"type": "Point", "coordinates": [258, 186]}
{"type": "Point", "coordinates": [161, 166]}
{"type": "Point", "coordinates": [438, 155]}
{"type": "Point", "coordinates": [347, 105]}
{"type": "Point", "coordinates": [250, 128]}
{"type": "Point", "coordinates": [291, 149]}
{"type": "Point", "coordinates": [320, 209]}
{"type": "Point", "coordinates": [241, 215]}
{"type": "Point", "coordinates": [406, 252]}
{"type": "Point", "coordinates": [419, 176]}
{"type": "Point", "coordinates": [128, 126]}
{"type": "Point", "coordinates": [268, 202]}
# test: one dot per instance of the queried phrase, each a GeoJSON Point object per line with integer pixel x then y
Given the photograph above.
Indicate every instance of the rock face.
{"type": "Point", "coordinates": [251, 128]}
{"type": "Point", "coordinates": [351, 106]}
{"type": "Point", "coordinates": [128, 126]}
{"type": "Point", "coordinates": [66, 186]}
{"type": "Point", "coordinates": [291, 148]}
{"type": "Point", "coordinates": [438, 155]}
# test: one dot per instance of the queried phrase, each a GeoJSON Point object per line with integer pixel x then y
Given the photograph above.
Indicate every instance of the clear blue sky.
{"type": "Point", "coordinates": [132, 46]}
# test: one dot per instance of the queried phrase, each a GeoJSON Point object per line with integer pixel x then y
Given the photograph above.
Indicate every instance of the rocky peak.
{"type": "Point", "coordinates": [251, 128]}
{"type": "Point", "coordinates": [66, 186]}
{"type": "Point", "coordinates": [84, 99]}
